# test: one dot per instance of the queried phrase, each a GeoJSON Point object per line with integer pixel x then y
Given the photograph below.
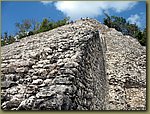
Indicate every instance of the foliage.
{"type": "Point", "coordinates": [11, 39]}
{"type": "Point", "coordinates": [7, 39]}
{"type": "Point", "coordinates": [120, 24]}
{"type": "Point", "coordinates": [49, 25]}
{"type": "Point", "coordinates": [5, 36]}
{"type": "Point", "coordinates": [44, 25]}
{"type": "Point", "coordinates": [30, 27]}
{"type": "Point", "coordinates": [2, 41]}
{"type": "Point", "coordinates": [143, 39]}
{"type": "Point", "coordinates": [24, 26]}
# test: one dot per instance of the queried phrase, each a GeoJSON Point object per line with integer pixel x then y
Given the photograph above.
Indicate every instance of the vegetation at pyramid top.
{"type": "Point", "coordinates": [120, 24]}
{"type": "Point", "coordinates": [30, 27]}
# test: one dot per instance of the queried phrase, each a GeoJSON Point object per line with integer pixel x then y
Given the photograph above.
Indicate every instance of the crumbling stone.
{"type": "Point", "coordinates": [83, 65]}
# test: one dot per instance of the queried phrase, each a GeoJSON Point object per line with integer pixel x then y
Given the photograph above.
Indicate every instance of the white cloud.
{"type": "Point", "coordinates": [46, 2]}
{"type": "Point", "coordinates": [135, 19]}
{"type": "Point", "coordinates": [78, 9]}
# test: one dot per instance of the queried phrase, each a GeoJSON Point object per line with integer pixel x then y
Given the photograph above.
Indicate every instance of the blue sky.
{"type": "Point", "coordinates": [12, 12]}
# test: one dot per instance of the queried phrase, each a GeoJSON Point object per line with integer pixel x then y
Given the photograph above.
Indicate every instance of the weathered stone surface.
{"type": "Point", "coordinates": [37, 81]}
{"type": "Point", "coordinates": [124, 73]}
{"type": "Point", "coordinates": [79, 66]}
{"type": "Point", "coordinates": [8, 84]}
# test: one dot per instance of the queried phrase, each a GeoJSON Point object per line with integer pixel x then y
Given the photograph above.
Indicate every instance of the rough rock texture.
{"type": "Point", "coordinates": [80, 66]}
{"type": "Point", "coordinates": [126, 72]}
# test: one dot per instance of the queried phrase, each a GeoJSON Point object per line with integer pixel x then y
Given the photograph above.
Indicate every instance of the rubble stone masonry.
{"type": "Point", "coordinates": [80, 66]}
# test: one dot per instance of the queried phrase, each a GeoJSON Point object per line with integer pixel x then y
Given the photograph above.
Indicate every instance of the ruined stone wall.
{"type": "Point", "coordinates": [79, 66]}
{"type": "Point", "coordinates": [62, 69]}
{"type": "Point", "coordinates": [126, 72]}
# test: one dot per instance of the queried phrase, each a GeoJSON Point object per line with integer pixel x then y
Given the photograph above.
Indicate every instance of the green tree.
{"type": "Point", "coordinates": [144, 38]}
{"type": "Point", "coordinates": [2, 41]}
{"type": "Point", "coordinates": [133, 30]}
{"type": "Point", "coordinates": [44, 25]}
{"type": "Point", "coordinates": [5, 37]}
{"type": "Point", "coordinates": [120, 24]}
{"type": "Point", "coordinates": [26, 24]}
{"type": "Point", "coordinates": [32, 27]}
{"type": "Point", "coordinates": [11, 39]}
{"type": "Point", "coordinates": [20, 27]}
{"type": "Point", "coordinates": [107, 20]}
{"type": "Point", "coordinates": [23, 27]}
{"type": "Point", "coordinates": [35, 25]}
